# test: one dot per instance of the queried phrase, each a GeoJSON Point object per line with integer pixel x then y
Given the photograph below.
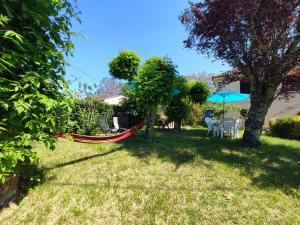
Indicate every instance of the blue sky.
{"type": "Point", "coordinates": [149, 27]}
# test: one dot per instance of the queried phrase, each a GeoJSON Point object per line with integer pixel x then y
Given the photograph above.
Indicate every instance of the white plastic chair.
{"type": "Point", "coordinates": [116, 124]}
{"type": "Point", "coordinates": [214, 128]}
{"type": "Point", "coordinates": [228, 127]}
{"type": "Point", "coordinates": [209, 123]}
{"type": "Point", "coordinates": [217, 127]}
{"type": "Point", "coordinates": [105, 127]}
{"type": "Point", "coordinates": [237, 126]}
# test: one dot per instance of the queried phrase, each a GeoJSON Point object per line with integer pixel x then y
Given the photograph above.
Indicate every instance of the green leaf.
{"type": "Point", "coordinates": [13, 36]}
{"type": "Point", "coordinates": [32, 83]}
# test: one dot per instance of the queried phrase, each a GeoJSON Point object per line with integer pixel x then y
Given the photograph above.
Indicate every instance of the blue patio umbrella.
{"type": "Point", "coordinates": [131, 84]}
{"type": "Point", "coordinates": [176, 92]}
{"type": "Point", "coordinates": [227, 96]}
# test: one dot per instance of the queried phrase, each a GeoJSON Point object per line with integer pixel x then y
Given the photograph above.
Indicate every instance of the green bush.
{"type": "Point", "coordinates": [198, 92]}
{"type": "Point", "coordinates": [86, 114]}
{"type": "Point", "coordinates": [35, 39]}
{"type": "Point", "coordinates": [194, 116]}
{"type": "Point", "coordinates": [134, 115]}
{"type": "Point", "coordinates": [177, 110]}
{"type": "Point", "coordinates": [285, 127]}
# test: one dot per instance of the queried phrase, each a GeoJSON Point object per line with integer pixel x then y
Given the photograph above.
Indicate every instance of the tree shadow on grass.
{"type": "Point", "coordinates": [32, 175]}
{"type": "Point", "coordinates": [270, 165]}
{"type": "Point", "coordinates": [72, 162]}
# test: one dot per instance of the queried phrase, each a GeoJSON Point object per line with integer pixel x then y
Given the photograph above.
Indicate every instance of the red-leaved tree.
{"type": "Point", "coordinates": [260, 38]}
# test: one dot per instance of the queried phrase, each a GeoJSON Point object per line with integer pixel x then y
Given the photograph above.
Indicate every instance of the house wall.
{"type": "Point", "coordinates": [278, 108]}
{"type": "Point", "coordinates": [116, 100]}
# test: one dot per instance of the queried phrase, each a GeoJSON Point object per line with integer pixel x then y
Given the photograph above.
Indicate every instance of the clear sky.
{"type": "Point", "coordinates": [149, 27]}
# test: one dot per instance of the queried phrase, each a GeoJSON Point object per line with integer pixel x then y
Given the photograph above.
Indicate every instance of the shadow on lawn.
{"type": "Point", "coordinates": [33, 175]}
{"type": "Point", "coordinates": [270, 165]}
{"type": "Point", "coordinates": [82, 159]}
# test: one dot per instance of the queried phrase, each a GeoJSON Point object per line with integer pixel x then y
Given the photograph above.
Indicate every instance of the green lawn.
{"type": "Point", "coordinates": [186, 178]}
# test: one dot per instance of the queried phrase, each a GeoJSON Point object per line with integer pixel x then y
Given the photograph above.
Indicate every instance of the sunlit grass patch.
{"type": "Point", "coordinates": [186, 178]}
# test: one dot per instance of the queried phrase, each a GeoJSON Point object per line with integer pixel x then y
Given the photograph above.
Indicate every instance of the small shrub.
{"type": "Point", "coordinates": [296, 127]}
{"type": "Point", "coordinates": [198, 92]}
{"type": "Point", "coordinates": [285, 127]}
{"type": "Point", "coordinates": [195, 115]}
{"type": "Point", "coordinates": [177, 110]}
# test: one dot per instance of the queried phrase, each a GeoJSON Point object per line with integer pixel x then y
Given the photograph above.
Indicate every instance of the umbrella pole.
{"type": "Point", "coordinates": [223, 107]}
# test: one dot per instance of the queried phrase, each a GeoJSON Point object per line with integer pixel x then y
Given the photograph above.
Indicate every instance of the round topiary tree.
{"type": "Point", "coordinates": [198, 92]}
{"type": "Point", "coordinates": [153, 86]}
{"type": "Point", "coordinates": [125, 65]}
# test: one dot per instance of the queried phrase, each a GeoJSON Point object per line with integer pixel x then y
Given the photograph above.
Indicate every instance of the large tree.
{"type": "Point", "coordinates": [260, 38]}
{"type": "Point", "coordinates": [35, 38]}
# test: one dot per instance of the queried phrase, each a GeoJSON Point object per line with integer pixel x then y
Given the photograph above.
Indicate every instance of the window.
{"type": "Point", "coordinates": [245, 87]}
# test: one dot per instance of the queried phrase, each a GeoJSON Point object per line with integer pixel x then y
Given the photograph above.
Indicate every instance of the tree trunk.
{"type": "Point", "coordinates": [177, 126]}
{"type": "Point", "coordinates": [150, 125]}
{"type": "Point", "coordinates": [260, 104]}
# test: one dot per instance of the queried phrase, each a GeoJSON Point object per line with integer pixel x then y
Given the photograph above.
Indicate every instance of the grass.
{"type": "Point", "coordinates": [186, 178]}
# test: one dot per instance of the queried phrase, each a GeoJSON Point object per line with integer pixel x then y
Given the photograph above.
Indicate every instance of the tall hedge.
{"type": "Point", "coordinates": [86, 115]}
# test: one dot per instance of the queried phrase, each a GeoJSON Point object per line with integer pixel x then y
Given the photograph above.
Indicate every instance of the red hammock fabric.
{"type": "Point", "coordinates": [103, 139]}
